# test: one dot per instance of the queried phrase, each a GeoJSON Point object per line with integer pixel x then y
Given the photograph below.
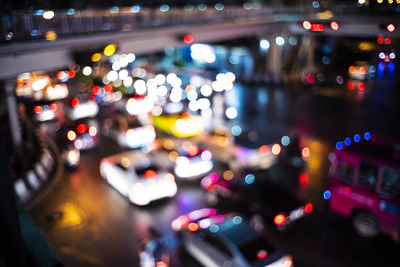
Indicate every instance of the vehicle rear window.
{"type": "Point", "coordinates": [184, 153]}
{"type": "Point", "coordinates": [345, 172]}
{"type": "Point", "coordinates": [141, 171]}
{"type": "Point", "coordinates": [368, 176]}
{"type": "Point", "coordinates": [391, 183]}
{"type": "Point", "coordinates": [119, 165]}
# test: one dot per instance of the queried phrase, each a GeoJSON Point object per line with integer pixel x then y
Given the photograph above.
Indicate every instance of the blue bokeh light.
{"type": "Point", "coordinates": [339, 145]}
{"type": "Point", "coordinates": [347, 141]}
{"type": "Point", "coordinates": [357, 138]}
{"type": "Point", "coordinates": [214, 228]}
{"type": "Point", "coordinates": [367, 136]}
{"type": "Point", "coordinates": [236, 130]}
{"type": "Point", "coordinates": [237, 220]}
{"type": "Point", "coordinates": [249, 179]}
{"type": "Point", "coordinates": [285, 140]}
{"type": "Point", "coordinates": [327, 194]}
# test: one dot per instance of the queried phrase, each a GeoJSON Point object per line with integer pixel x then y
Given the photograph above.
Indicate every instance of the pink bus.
{"type": "Point", "coordinates": [364, 185]}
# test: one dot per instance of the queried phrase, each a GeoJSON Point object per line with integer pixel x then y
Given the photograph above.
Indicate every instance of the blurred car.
{"type": "Point", "coordinates": [225, 148]}
{"type": "Point", "coordinates": [128, 132]}
{"type": "Point", "coordinates": [227, 239]}
{"type": "Point", "coordinates": [154, 252]}
{"type": "Point", "coordinates": [219, 141]}
{"type": "Point", "coordinates": [83, 134]}
{"type": "Point", "coordinates": [44, 111]}
{"type": "Point", "coordinates": [138, 176]}
{"type": "Point", "coordinates": [358, 85]}
{"type": "Point", "coordinates": [136, 106]}
{"type": "Point", "coordinates": [179, 125]}
{"type": "Point", "coordinates": [81, 107]}
{"type": "Point", "coordinates": [387, 56]}
{"type": "Point", "coordinates": [258, 191]}
{"type": "Point", "coordinates": [192, 162]}
{"type": "Point", "coordinates": [364, 185]}
{"type": "Point", "coordinates": [361, 70]}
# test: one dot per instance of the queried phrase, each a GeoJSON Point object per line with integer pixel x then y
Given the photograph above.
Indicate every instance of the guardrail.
{"type": "Point", "coordinates": [21, 26]}
{"type": "Point", "coordinates": [32, 27]}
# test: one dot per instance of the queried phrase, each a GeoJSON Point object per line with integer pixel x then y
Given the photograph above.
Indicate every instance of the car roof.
{"type": "Point", "coordinates": [376, 151]}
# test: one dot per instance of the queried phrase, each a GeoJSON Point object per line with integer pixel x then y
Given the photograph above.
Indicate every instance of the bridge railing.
{"type": "Point", "coordinates": [21, 26]}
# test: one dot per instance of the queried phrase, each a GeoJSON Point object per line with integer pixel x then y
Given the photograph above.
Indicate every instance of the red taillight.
{"type": "Point", "coordinates": [149, 174]}
{"type": "Point", "coordinates": [53, 107]}
{"type": "Point", "coordinates": [108, 88]}
{"type": "Point", "coordinates": [71, 73]}
{"type": "Point", "coordinates": [81, 128]}
{"type": "Point", "coordinates": [75, 102]}
{"type": "Point", "coordinates": [308, 208]}
{"type": "Point", "coordinates": [280, 219]}
{"type": "Point", "coordinates": [350, 85]}
{"type": "Point", "coordinates": [188, 39]}
{"type": "Point", "coordinates": [361, 86]}
{"type": "Point", "coordinates": [263, 149]}
{"type": "Point", "coordinates": [303, 179]}
{"type": "Point", "coordinates": [352, 69]}
{"type": "Point", "coordinates": [211, 187]}
{"type": "Point", "coordinates": [71, 135]}
{"type": "Point", "coordinates": [185, 115]}
{"type": "Point", "coordinates": [262, 255]}
{"type": "Point", "coordinates": [161, 264]}
{"type": "Point", "coordinates": [363, 70]}
{"type": "Point", "coordinates": [193, 151]}
{"type": "Point", "coordinates": [288, 263]}
{"type": "Point", "coordinates": [96, 90]}
{"type": "Point", "coordinates": [37, 109]}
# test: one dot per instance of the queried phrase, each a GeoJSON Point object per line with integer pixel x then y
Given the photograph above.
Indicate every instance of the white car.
{"type": "Point", "coordinates": [222, 144]}
{"type": "Point", "coordinates": [81, 109]}
{"type": "Point", "coordinates": [45, 112]}
{"type": "Point", "coordinates": [138, 176]}
{"type": "Point", "coordinates": [83, 134]}
{"type": "Point", "coordinates": [129, 133]}
{"type": "Point", "coordinates": [193, 163]}
{"type": "Point", "coordinates": [227, 239]}
{"type": "Point", "coordinates": [361, 70]}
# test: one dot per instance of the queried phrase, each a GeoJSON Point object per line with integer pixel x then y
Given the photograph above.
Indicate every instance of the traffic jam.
{"type": "Point", "coordinates": [180, 128]}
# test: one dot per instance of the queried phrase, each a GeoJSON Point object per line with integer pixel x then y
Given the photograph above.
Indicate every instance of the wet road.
{"type": "Point", "coordinates": [91, 224]}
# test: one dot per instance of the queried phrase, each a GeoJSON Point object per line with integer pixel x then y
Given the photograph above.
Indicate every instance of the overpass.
{"type": "Point", "coordinates": [151, 30]}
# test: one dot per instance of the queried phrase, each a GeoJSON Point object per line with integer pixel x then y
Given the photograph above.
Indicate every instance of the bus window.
{"type": "Point", "coordinates": [345, 172]}
{"type": "Point", "coordinates": [368, 176]}
{"type": "Point", "coordinates": [391, 183]}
